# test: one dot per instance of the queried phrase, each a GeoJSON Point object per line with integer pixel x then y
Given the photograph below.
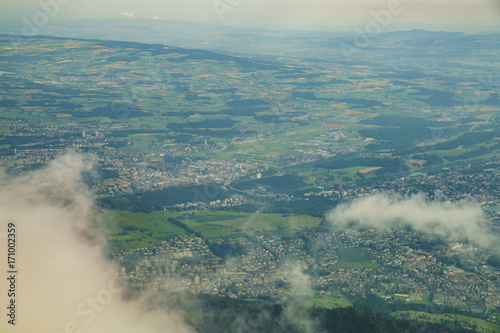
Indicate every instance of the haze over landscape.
{"type": "Point", "coordinates": [280, 14]}
{"type": "Point", "coordinates": [250, 166]}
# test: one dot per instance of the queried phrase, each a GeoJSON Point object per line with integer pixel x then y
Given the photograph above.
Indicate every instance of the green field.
{"type": "Point", "coordinates": [479, 325]}
{"type": "Point", "coordinates": [351, 254]}
{"type": "Point", "coordinates": [329, 302]}
{"type": "Point", "coordinates": [131, 230]}
{"type": "Point", "coordinates": [216, 218]}
{"type": "Point", "coordinates": [424, 300]}
{"type": "Point", "coordinates": [356, 265]}
{"type": "Point", "coordinates": [227, 224]}
{"type": "Point", "coordinates": [353, 258]}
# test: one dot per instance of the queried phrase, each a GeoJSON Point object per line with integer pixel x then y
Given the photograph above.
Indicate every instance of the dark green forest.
{"type": "Point", "coordinates": [209, 314]}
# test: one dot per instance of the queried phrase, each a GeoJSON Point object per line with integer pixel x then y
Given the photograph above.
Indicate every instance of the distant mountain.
{"type": "Point", "coordinates": [233, 40]}
{"type": "Point", "coordinates": [423, 34]}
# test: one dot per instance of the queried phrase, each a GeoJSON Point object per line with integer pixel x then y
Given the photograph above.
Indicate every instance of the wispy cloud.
{"type": "Point", "coordinates": [461, 220]}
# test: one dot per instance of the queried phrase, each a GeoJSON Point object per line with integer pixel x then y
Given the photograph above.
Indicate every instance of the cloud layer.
{"type": "Point", "coordinates": [64, 281]}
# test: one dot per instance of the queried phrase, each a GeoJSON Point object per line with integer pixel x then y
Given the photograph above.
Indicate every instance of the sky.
{"type": "Point", "coordinates": [447, 15]}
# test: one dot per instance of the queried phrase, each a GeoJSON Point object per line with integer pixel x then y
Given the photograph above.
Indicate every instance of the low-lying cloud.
{"type": "Point", "coordinates": [455, 221]}
{"type": "Point", "coordinates": [295, 311]}
{"type": "Point", "coordinates": [128, 15]}
{"type": "Point", "coordinates": [64, 282]}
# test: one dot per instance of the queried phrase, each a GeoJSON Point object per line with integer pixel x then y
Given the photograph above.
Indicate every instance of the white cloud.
{"type": "Point", "coordinates": [128, 15]}
{"type": "Point", "coordinates": [452, 220]}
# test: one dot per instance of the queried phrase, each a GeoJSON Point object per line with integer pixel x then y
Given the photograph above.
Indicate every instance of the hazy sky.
{"type": "Point", "coordinates": [288, 14]}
